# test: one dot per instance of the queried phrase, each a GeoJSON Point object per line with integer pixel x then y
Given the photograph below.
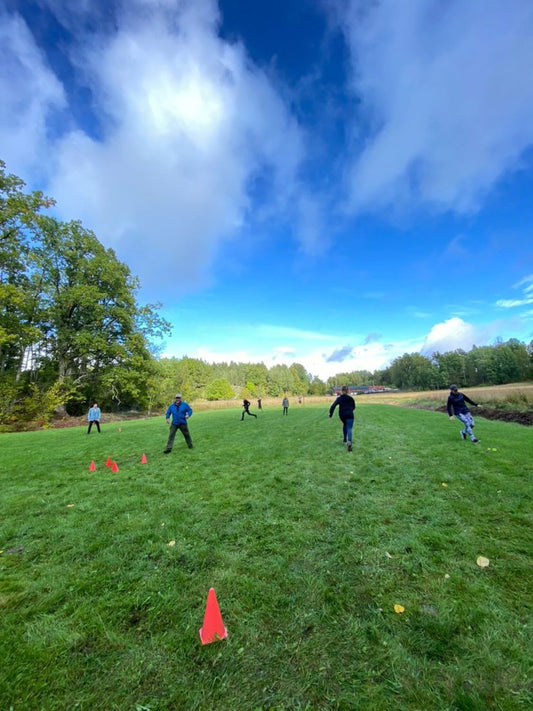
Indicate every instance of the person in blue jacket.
{"type": "Point", "coordinates": [177, 415]}
{"type": "Point", "coordinates": [457, 405]}
{"type": "Point", "coordinates": [93, 416]}
{"type": "Point", "coordinates": [346, 405]}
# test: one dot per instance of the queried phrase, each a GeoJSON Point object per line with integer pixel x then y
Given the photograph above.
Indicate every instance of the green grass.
{"type": "Point", "coordinates": [308, 548]}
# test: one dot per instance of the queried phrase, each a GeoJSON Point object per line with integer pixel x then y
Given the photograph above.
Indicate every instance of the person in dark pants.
{"type": "Point", "coordinates": [246, 411]}
{"type": "Point", "coordinates": [346, 405]}
{"type": "Point", "coordinates": [457, 405]}
{"type": "Point", "coordinates": [180, 412]}
{"type": "Point", "coordinates": [285, 405]}
{"type": "Point", "coordinates": [93, 416]}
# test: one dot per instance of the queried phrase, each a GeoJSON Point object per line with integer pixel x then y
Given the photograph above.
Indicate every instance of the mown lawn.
{"type": "Point", "coordinates": [309, 549]}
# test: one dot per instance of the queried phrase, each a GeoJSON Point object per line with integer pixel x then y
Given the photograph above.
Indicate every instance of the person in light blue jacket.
{"type": "Point", "coordinates": [177, 415]}
{"type": "Point", "coordinates": [93, 416]}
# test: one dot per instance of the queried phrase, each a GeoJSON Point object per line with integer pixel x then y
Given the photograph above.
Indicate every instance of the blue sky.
{"type": "Point", "coordinates": [331, 182]}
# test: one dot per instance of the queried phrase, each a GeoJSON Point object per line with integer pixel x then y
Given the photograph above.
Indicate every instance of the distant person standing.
{"type": "Point", "coordinates": [285, 404]}
{"type": "Point", "coordinates": [177, 415]}
{"type": "Point", "coordinates": [346, 405]}
{"type": "Point", "coordinates": [94, 416]}
{"type": "Point", "coordinates": [246, 411]}
{"type": "Point", "coordinates": [259, 403]}
{"type": "Point", "coordinates": [457, 405]}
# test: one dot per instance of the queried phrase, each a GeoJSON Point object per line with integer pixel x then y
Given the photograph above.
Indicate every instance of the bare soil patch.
{"type": "Point", "coordinates": [521, 418]}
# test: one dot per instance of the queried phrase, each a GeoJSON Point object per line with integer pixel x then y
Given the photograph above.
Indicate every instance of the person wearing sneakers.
{"type": "Point", "coordinates": [180, 412]}
{"type": "Point", "coordinates": [346, 405]}
{"type": "Point", "coordinates": [246, 410]}
{"type": "Point", "coordinates": [457, 405]}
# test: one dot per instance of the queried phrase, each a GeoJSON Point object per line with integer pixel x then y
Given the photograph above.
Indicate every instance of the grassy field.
{"type": "Point", "coordinates": [104, 576]}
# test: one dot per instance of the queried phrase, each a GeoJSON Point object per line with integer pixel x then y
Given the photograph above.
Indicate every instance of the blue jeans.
{"type": "Point", "coordinates": [347, 427]}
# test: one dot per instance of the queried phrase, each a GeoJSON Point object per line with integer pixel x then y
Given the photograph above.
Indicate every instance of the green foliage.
{"type": "Point", "coordinates": [489, 365]}
{"type": "Point", "coordinates": [219, 389]}
{"type": "Point", "coordinates": [414, 372]}
{"type": "Point", "coordinates": [307, 547]}
{"type": "Point", "coordinates": [69, 312]}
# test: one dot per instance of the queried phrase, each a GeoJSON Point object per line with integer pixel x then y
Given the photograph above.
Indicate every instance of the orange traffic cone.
{"type": "Point", "coordinates": [114, 467]}
{"type": "Point", "coordinates": [213, 628]}
{"type": "Point", "coordinates": [143, 459]}
{"type": "Point", "coordinates": [92, 466]}
{"type": "Point", "coordinates": [108, 462]}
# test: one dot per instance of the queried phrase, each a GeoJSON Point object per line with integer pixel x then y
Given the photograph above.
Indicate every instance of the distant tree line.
{"type": "Point", "coordinates": [505, 362]}
{"type": "Point", "coordinates": [72, 332]}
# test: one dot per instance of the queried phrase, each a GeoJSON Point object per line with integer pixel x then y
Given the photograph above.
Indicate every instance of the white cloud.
{"type": "Point", "coordinates": [30, 95]}
{"type": "Point", "coordinates": [446, 94]}
{"type": "Point", "coordinates": [187, 123]}
{"type": "Point", "coordinates": [526, 286]}
{"type": "Point", "coordinates": [511, 303]}
{"type": "Point", "coordinates": [449, 336]}
{"type": "Point", "coordinates": [370, 356]}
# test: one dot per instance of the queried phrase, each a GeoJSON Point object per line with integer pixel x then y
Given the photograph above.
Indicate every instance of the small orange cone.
{"type": "Point", "coordinates": [114, 467]}
{"type": "Point", "coordinates": [108, 463]}
{"type": "Point", "coordinates": [213, 628]}
{"type": "Point", "coordinates": [143, 459]}
{"type": "Point", "coordinates": [92, 466]}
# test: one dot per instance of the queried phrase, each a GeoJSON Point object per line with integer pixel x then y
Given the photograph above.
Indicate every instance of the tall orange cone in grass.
{"type": "Point", "coordinates": [114, 467]}
{"type": "Point", "coordinates": [213, 628]}
{"type": "Point", "coordinates": [143, 459]}
{"type": "Point", "coordinates": [92, 466]}
{"type": "Point", "coordinates": [108, 462]}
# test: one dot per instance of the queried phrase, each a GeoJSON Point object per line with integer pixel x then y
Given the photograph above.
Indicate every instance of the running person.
{"type": "Point", "coordinates": [346, 405]}
{"type": "Point", "coordinates": [457, 405]}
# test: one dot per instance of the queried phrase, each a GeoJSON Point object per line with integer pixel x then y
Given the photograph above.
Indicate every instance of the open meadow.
{"type": "Point", "coordinates": [345, 581]}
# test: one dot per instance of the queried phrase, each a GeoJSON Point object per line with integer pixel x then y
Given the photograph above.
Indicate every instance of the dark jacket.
{"type": "Point", "coordinates": [456, 404]}
{"type": "Point", "coordinates": [178, 413]}
{"type": "Point", "coordinates": [346, 405]}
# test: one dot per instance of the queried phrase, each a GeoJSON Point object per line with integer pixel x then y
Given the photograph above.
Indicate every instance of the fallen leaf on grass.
{"type": "Point", "coordinates": [388, 554]}
{"type": "Point", "coordinates": [444, 484]}
{"type": "Point", "coordinates": [171, 543]}
{"type": "Point", "coordinates": [447, 576]}
{"type": "Point", "coordinates": [69, 506]}
{"type": "Point", "coordinates": [483, 562]}
{"type": "Point", "coordinates": [398, 609]}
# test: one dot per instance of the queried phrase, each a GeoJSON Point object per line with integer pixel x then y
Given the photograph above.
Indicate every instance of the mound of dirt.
{"type": "Point", "coordinates": [521, 418]}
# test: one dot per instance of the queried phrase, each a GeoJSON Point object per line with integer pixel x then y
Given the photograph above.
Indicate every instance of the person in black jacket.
{"type": "Point", "coordinates": [246, 411]}
{"type": "Point", "coordinates": [346, 405]}
{"type": "Point", "coordinates": [457, 405]}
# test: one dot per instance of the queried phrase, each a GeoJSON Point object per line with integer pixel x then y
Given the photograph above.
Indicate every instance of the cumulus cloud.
{"type": "Point", "coordinates": [449, 336]}
{"type": "Point", "coordinates": [446, 96]}
{"type": "Point", "coordinates": [371, 337]}
{"type": "Point", "coordinates": [187, 122]}
{"type": "Point", "coordinates": [454, 333]}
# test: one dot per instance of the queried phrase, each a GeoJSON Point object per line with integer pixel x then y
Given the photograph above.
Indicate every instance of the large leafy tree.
{"type": "Point", "coordinates": [19, 302]}
{"type": "Point", "coordinates": [90, 318]}
{"type": "Point", "coordinates": [413, 371]}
